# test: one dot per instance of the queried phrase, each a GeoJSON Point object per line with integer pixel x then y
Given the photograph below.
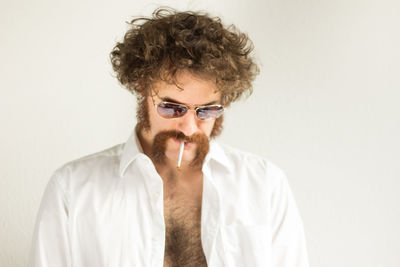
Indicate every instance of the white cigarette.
{"type": "Point", "coordinates": [180, 154]}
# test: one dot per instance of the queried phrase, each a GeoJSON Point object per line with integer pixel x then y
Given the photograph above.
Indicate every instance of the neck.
{"type": "Point", "coordinates": [185, 174]}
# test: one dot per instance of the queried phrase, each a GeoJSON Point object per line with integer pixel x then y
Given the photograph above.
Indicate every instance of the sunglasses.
{"type": "Point", "coordinates": [170, 110]}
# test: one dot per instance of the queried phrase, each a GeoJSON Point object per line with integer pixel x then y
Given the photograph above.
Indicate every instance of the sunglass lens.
{"type": "Point", "coordinates": [211, 112]}
{"type": "Point", "coordinates": [169, 110]}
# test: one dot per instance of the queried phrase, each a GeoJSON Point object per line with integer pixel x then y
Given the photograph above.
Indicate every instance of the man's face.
{"type": "Point", "coordinates": [193, 92]}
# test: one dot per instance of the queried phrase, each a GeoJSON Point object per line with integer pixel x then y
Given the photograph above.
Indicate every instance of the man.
{"type": "Point", "coordinates": [169, 196]}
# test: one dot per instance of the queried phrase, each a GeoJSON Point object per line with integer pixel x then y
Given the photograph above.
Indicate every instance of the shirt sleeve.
{"type": "Point", "coordinates": [288, 238]}
{"type": "Point", "coordinates": [50, 245]}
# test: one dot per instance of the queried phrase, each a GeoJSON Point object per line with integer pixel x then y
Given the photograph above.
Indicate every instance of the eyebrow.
{"type": "Point", "coordinates": [168, 99]}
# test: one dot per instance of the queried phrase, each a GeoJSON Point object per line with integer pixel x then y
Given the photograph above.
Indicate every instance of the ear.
{"type": "Point", "coordinates": [138, 89]}
{"type": "Point", "coordinates": [144, 90]}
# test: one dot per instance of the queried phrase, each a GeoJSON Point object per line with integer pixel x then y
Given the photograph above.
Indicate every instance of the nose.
{"type": "Point", "coordinates": [188, 124]}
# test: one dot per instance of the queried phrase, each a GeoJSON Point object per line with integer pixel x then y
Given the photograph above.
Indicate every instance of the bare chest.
{"type": "Point", "coordinates": [182, 214]}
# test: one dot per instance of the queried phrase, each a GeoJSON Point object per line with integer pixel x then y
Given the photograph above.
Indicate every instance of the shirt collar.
{"type": "Point", "coordinates": [133, 149]}
{"type": "Point", "coordinates": [218, 155]}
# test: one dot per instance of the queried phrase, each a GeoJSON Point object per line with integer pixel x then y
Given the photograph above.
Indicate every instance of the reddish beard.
{"type": "Point", "coordinates": [160, 145]}
{"type": "Point", "coordinates": [160, 140]}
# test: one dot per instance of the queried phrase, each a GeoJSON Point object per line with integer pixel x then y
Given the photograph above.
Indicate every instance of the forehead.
{"type": "Point", "coordinates": [188, 89]}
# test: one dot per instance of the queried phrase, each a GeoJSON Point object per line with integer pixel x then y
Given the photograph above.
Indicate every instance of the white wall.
{"type": "Point", "coordinates": [325, 109]}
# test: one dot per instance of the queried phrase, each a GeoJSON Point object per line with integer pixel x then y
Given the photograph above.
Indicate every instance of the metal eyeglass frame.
{"type": "Point", "coordinates": [188, 107]}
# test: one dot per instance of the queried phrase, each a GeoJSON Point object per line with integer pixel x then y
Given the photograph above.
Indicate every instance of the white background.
{"type": "Point", "coordinates": [325, 109]}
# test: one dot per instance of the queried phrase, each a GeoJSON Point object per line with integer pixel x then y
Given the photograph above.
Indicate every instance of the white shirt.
{"type": "Point", "coordinates": [106, 209]}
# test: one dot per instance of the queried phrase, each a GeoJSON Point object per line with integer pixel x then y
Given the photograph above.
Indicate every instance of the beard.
{"type": "Point", "coordinates": [160, 145]}
{"type": "Point", "coordinates": [160, 140]}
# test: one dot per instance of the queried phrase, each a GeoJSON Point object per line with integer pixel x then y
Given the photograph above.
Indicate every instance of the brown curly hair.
{"type": "Point", "coordinates": [156, 48]}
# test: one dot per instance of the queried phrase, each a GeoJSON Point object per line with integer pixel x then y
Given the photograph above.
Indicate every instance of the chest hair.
{"type": "Point", "coordinates": [183, 247]}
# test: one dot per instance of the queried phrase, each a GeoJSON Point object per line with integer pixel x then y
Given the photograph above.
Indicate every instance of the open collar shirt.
{"type": "Point", "coordinates": [107, 209]}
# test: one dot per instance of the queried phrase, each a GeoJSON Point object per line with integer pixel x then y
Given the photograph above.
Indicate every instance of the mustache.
{"type": "Point", "coordinates": [161, 138]}
{"type": "Point", "coordinates": [195, 138]}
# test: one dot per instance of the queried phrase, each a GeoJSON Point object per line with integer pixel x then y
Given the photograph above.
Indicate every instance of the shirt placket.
{"type": "Point", "coordinates": [158, 227]}
{"type": "Point", "coordinates": [210, 216]}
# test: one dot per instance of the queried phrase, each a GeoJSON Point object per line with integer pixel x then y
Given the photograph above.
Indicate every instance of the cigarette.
{"type": "Point", "coordinates": [180, 155]}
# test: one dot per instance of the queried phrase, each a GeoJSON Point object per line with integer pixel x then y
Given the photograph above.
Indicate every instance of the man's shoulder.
{"type": "Point", "coordinates": [239, 158]}
{"type": "Point", "coordinates": [249, 170]}
{"type": "Point", "coordinates": [104, 158]}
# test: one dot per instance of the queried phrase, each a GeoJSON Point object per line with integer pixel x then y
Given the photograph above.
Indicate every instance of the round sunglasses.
{"type": "Point", "coordinates": [171, 110]}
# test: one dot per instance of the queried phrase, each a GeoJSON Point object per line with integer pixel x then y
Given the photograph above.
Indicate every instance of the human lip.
{"type": "Point", "coordinates": [187, 144]}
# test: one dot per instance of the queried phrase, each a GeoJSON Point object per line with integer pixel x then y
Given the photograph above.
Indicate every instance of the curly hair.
{"type": "Point", "coordinates": [157, 48]}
